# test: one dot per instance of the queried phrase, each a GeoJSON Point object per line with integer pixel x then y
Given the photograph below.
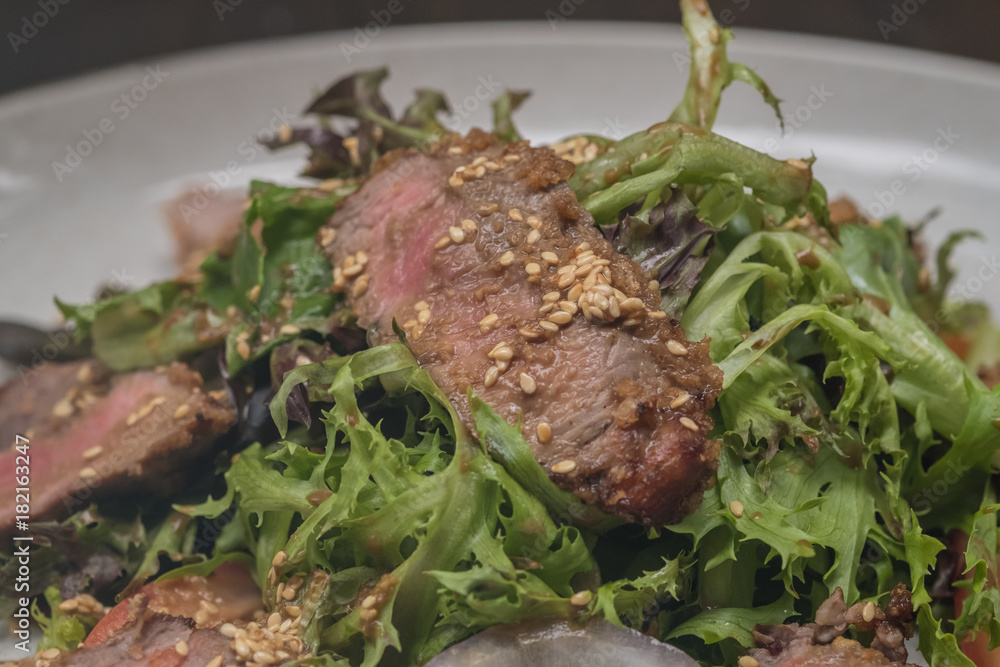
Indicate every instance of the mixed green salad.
{"type": "Point", "coordinates": [855, 441]}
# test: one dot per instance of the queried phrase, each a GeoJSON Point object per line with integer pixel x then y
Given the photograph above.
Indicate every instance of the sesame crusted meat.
{"type": "Point", "coordinates": [483, 256]}
{"type": "Point", "coordinates": [91, 433]}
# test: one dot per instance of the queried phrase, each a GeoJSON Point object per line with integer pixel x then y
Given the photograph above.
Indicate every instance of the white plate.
{"type": "Point", "coordinates": [864, 110]}
{"type": "Point", "coordinates": [874, 108]}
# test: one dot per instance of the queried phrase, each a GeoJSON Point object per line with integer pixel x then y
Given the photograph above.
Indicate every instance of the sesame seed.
{"type": "Point", "coordinates": [513, 157]}
{"type": "Point", "coordinates": [456, 150]}
{"type": "Point", "coordinates": [680, 400]}
{"type": "Point", "coordinates": [63, 408]}
{"type": "Point", "coordinates": [564, 467]}
{"type": "Point", "coordinates": [654, 285]}
{"type": "Point", "coordinates": [560, 317]}
{"type": "Point", "coordinates": [529, 334]}
{"type": "Point", "coordinates": [181, 647]}
{"type": "Point", "coordinates": [369, 602]}
{"type": "Point", "coordinates": [87, 472]}
{"type": "Point", "coordinates": [599, 300]}
{"type": "Point", "coordinates": [262, 657]}
{"type": "Point", "coordinates": [748, 661]}
{"type": "Point", "coordinates": [227, 630]}
{"type": "Point", "coordinates": [544, 432]}
{"type": "Point", "coordinates": [273, 621]}
{"type": "Point", "coordinates": [583, 247]}
{"type": "Point", "coordinates": [361, 257]}
{"type": "Point", "coordinates": [676, 348]}
{"type": "Point", "coordinates": [550, 257]}
{"type": "Point", "coordinates": [547, 308]}
{"type": "Point", "coordinates": [604, 290]}
{"type": "Point", "coordinates": [487, 322]}
{"type": "Point", "coordinates": [360, 286]}
{"type": "Point", "coordinates": [575, 292]}
{"type": "Point", "coordinates": [868, 612]}
{"type": "Point", "coordinates": [279, 558]}
{"type": "Point", "coordinates": [478, 161]}
{"type": "Point", "coordinates": [548, 326]}
{"type": "Point", "coordinates": [421, 305]}
{"type": "Point", "coordinates": [533, 236]}
{"type": "Point", "coordinates": [568, 307]}
{"type": "Point", "coordinates": [551, 296]}
{"type": "Point", "coordinates": [242, 348]}
{"type": "Point", "coordinates": [515, 215]}
{"type": "Point", "coordinates": [84, 375]}
{"type": "Point", "coordinates": [566, 280]}
{"type": "Point", "coordinates": [487, 209]}
{"type": "Point", "coordinates": [736, 507]}
{"type": "Point", "coordinates": [657, 314]}
{"type": "Point", "coordinates": [581, 598]}
{"type": "Point", "coordinates": [353, 270]}
{"type": "Point", "coordinates": [68, 605]}
{"type": "Point", "coordinates": [456, 234]}
{"type": "Point", "coordinates": [50, 654]}
{"type": "Point", "coordinates": [294, 611]}
{"type": "Point", "coordinates": [532, 268]}
{"type": "Point", "coordinates": [507, 258]}
{"type": "Point", "coordinates": [492, 166]}
{"type": "Point", "coordinates": [613, 309]}
{"type": "Point", "coordinates": [254, 293]}
{"type": "Point", "coordinates": [215, 662]}
{"type": "Point", "coordinates": [442, 243]}
{"type": "Point", "coordinates": [208, 606]}
{"type": "Point", "coordinates": [632, 304]}
{"type": "Point", "coordinates": [327, 235]}
{"type": "Point", "coordinates": [289, 593]}
{"type": "Point", "coordinates": [528, 384]}
{"type": "Point", "coordinates": [569, 268]}
{"type": "Point", "coordinates": [424, 316]}
{"type": "Point", "coordinates": [368, 614]}
{"type": "Point", "coordinates": [534, 221]}
{"type": "Point", "coordinates": [585, 256]}
{"type": "Point", "coordinates": [456, 181]}
{"type": "Point", "coordinates": [289, 330]}
{"type": "Point", "coordinates": [504, 354]}
{"type": "Point", "coordinates": [93, 452]}
{"type": "Point", "coordinates": [689, 424]}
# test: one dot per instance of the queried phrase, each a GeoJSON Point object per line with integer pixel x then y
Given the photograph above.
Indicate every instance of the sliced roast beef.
{"type": "Point", "coordinates": [91, 433]}
{"type": "Point", "coordinates": [822, 643]}
{"type": "Point", "coordinates": [480, 251]}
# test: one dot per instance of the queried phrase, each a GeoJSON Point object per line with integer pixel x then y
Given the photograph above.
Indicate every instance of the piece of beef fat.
{"type": "Point", "coordinates": [90, 434]}
{"type": "Point", "coordinates": [480, 251]}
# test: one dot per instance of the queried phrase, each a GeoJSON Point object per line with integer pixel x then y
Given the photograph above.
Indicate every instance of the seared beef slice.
{"type": "Point", "coordinates": [92, 433]}
{"type": "Point", "coordinates": [480, 251]}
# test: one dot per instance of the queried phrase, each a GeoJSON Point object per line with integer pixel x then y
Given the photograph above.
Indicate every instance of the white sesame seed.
{"type": "Point", "coordinates": [478, 161]}
{"type": "Point", "coordinates": [442, 243]}
{"type": "Point", "coordinates": [515, 215]}
{"type": "Point", "coordinates": [657, 314]}
{"type": "Point", "coordinates": [456, 234]}
{"type": "Point", "coordinates": [242, 349]}
{"type": "Point", "coordinates": [583, 247]}
{"type": "Point", "coordinates": [289, 593]}
{"type": "Point", "coordinates": [504, 354]}
{"type": "Point", "coordinates": [689, 424]}
{"type": "Point", "coordinates": [424, 316]}
{"type": "Point", "coordinates": [532, 268]}
{"type": "Point", "coordinates": [560, 317]}
{"type": "Point", "coordinates": [469, 226]}
{"type": "Point", "coordinates": [654, 285]}
{"type": "Point", "coordinates": [575, 292]}
{"type": "Point", "coordinates": [86, 473]}
{"type": "Point", "coordinates": [613, 309]}
{"type": "Point", "coordinates": [632, 304]}
{"type": "Point", "coordinates": [254, 293]}
{"type": "Point", "coordinates": [569, 307]}
{"type": "Point", "coordinates": [868, 612]}
{"type": "Point", "coordinates": [63, 408]}
{"type": "Point", "coordinates": [93, 452]}
{"type": "Point", "coordinates": [227, 630]}
{"type": "Point", "coordinates": [748, 661]}
{"type": "Point", "coordinates": [369, 602]}
{"type": "Point", "coordinates": [548, 326]}
{"type": "Point", "coordinates": [528, 384]}
{"type": "Point", "coordinates": [507, 258]}
{"type": "Point", "coordinates": [181, 647]}
{"type": "Point", "coordinates": [487, 322]}
{"type": "Point", "coordinates": [581, 598]}
{"type": "Point", "coordinates": [215, 662]}
{"type": "Point", "coordinates": [289, 330]}
{"type": "Point", "coordinates": [551, 296]}
{"type": "Point", "coordinates": [353, 270]}
{"type": "Point", "coordinates": [50, 654]}
{"type": "Point", "coordinates": [360, 286]}
{"type": "Point", "coordinates": [513, 157]}
{"type": "Point", "coordinates": [361, 257]}
{"type": "Point", "coordinates": [294, 611]}
{"type": "Point", "coordinates": [534, 221]}
{"type": "Point", "coordinates": [676, 348]}
{"type": "Point", "coordinates": [533, 236]}
{"type": "Point", "coordinates": [456, 181]}
{"type": "Point", "coordinates": [680, 400]}
{"type": "Point", "coordinates": [736, 507]}
{"type": "Point", "coordinates": [544, 432]}
{"type": "Point", "coordinates": [566, 280]}
{"type": "Point", "coordinates": [550, 257]}
{"type": "Point", "coordinates": [564, 467]}
{"type": "Point", "coordinates": [182, 411]}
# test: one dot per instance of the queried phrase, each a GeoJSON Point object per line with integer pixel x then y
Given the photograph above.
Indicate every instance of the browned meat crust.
{"type": "Point", "coordinates": [92, 434]}
{"type": "Point", "coordinates": [822, 643]}
{"type": "Point", "coordinates": [502, 283]}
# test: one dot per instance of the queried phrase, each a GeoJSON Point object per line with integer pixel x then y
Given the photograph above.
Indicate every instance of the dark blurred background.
{"type": "Point", "coordinates": [50, 39]}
